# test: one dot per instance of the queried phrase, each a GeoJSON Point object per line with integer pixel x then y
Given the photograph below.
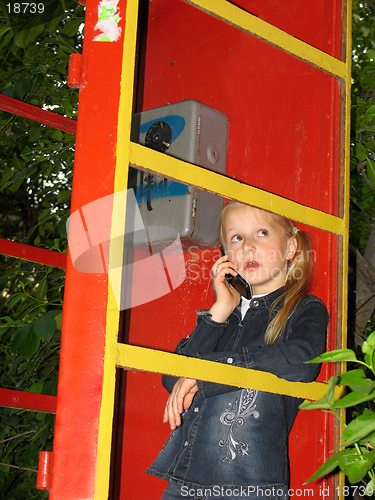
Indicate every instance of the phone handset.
{"type": "Point", "coordinates": [238, 282]}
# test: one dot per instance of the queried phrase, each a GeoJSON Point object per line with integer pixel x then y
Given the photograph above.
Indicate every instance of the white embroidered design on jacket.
{"type": "Point", "coordinates": [234, 416]}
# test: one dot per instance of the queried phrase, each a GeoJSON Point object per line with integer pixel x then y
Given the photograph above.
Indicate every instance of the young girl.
{"type": "Point", "coordinates": [227, 441]}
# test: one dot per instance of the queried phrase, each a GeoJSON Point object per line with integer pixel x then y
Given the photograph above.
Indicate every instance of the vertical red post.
{"type": "Point", "coordinates": [85, 303]}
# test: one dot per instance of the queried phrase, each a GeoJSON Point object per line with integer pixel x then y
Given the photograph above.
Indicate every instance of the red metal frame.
{"type": "Point", "coordinates": [21, 108]}
{"type": "Point", "coordinates": [28, 401]}
{"type": "Point", "coordinates": [35, 254]}
{"type": "Point", "coordinates": [22, 399]}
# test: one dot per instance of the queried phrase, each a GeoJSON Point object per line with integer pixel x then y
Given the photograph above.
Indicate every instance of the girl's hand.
{"type": "Point", "coordinates": [227, 298]}
{"type": "Point", "coordinates": [180, 399]}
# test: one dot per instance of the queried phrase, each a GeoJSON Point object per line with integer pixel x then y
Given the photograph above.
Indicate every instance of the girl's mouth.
{"type": "Point", "coordinates": [253, 264]}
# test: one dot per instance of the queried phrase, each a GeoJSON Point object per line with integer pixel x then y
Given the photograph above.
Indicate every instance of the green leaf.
{"type": "Point", "coordinates": [338, 355]}
{"type": "Point", "coordinates": [3, 330]}
{"type": "Point", "coordinates": [330, 394]}
{"type": "Point", "coordinates": [4, 30]}
{"type": "Point", "coordinates": [29, 345]}
{"type": "Point", "coordinates": [315, 405]}
{"type": "Point", "coordinates": [369, 441]}
{"type": "Point", "coordinates": [13, 299]}
{"type": "Point", "coordinates": [33, 30]}
{"type": "Point", "coordinates": [367, 359]}
{"type": "Point", "coordinates": [49, 11]}
{"type": "Point", "coordinates": [370, 110]}
{"type": "Point", "coordinates": [64, 196]}
{"type": "Point", "coordinates": [18, 40]}
{"type": "Point", "coordinates": [352, 399]}
{"type": "Point", "coordinates": [58, 320]}
{"type": "Point", "coordinates": [358, 429]}
{"type": "Point", "coordinates": [370, 488]}
{"type": "Point", "coordinates": [57, 134]}
{"type": "Point", "coordinates": [369, 344]}
{"type": "Point", "coordinates": [355, 465]}
{"type": "Point", "coordinates": [8, 320]}
{"type": "Point", "coordinates": [328, 466]}
{"type": "Point", "coordinates": [18, 163]}
{"type": "Point", "coordinates": [58, 14]}
{"type": "Point", "coordinates": [20, 174]}
{"type": "Point", "coordinates": [35, 134]}
{"type": "Point", "coordinates": [361, 152]}
{"type": "Point", "coordinates": [22, 87]}
{"type": "Point", "coordinates": [61, 228]}
{"type": "Point", "coordinates": [71, 28]}
{"type": "Point", "coordinates": [6, 174]}
{"type": "Point", "coordinates": [37, 388]}
{"type": "Point", "coordinates": [368, 349]}
{"type": "Point", "coordinates": [16, 185]}
{"type": "Point", "coordinates": [357, 381]}
{"type": "Point", "coordinates": [42, 289]}
{"type": "Point", "coordinates": [327, 400]}
{"type": "Point", "coordinates": [45, 327]}
{"type": "Point", "coordinates": [19, 336]}
{"type": "Point", "coordinates": [5, 185]}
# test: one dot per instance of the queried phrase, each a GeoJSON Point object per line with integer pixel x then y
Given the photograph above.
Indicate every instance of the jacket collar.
{"type": "Point", "coordinates": [269, 299]}
{"type": "Point", "coordinates": [261, 302]}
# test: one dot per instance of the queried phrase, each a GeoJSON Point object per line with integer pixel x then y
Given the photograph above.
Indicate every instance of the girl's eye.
{"type": "Point", "coordinates": [236, 238]}
{"type": "Point", "coordinates": [262, 232]}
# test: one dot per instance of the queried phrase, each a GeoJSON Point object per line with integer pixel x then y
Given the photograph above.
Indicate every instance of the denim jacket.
{"type": "Point", "coordinates": [239, 437]}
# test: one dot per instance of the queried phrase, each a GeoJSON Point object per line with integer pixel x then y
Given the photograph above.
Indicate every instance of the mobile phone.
{"type": "Point", "coordinates": [238, 282]}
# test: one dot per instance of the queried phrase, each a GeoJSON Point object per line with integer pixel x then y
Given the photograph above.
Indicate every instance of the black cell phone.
{"type": "Point", "coordinates": [238, 282]}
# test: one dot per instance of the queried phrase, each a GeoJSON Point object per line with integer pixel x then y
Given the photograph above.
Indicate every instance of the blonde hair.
{"type": "Point", "coordinates": [299, 274]}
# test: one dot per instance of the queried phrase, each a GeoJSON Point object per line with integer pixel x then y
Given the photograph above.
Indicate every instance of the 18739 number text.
{"type": "Point", "coordinates": [25, 8]}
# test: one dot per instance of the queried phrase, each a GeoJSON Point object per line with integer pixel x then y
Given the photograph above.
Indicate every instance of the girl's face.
{"type": "Point", "coordinates": [259, 246]}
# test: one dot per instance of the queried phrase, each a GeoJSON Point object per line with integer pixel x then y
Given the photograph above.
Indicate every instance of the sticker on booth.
{"type": "Point", "coordinates": [108, 21]}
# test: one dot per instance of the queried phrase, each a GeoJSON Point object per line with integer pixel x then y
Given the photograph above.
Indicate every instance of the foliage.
{"type": "Point", "coordinates": [22, 435]}
{"type": "Point", "coordinates": [356, 455]}
{"type": "Point", "coordinates": [35, 186]}
{"type": "Point", "coordinates": [362, 170]}
{"type": "Point", "coordinates": [362, 194]}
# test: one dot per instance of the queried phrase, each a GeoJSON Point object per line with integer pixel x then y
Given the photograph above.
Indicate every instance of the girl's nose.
{"type": "Point", "coordinates": [249, 245]}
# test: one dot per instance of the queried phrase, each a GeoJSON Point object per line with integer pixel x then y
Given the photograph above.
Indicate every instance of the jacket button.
{"type": "Point", "coordinates": [196, 409]}
{"type": "Point", "coordinates": [230, 360]}
{"type": "Point", "coordinates": [186, 443]}
{"type": "Point", "coordinates": [255, 303]}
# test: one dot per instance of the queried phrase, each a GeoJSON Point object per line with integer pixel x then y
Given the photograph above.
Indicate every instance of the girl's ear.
{"type": "Point", "coordinates": [292, 248]}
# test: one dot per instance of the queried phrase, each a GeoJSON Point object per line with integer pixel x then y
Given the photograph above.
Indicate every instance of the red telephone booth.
{"type": "Point", "coordinates": [280, 72]}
